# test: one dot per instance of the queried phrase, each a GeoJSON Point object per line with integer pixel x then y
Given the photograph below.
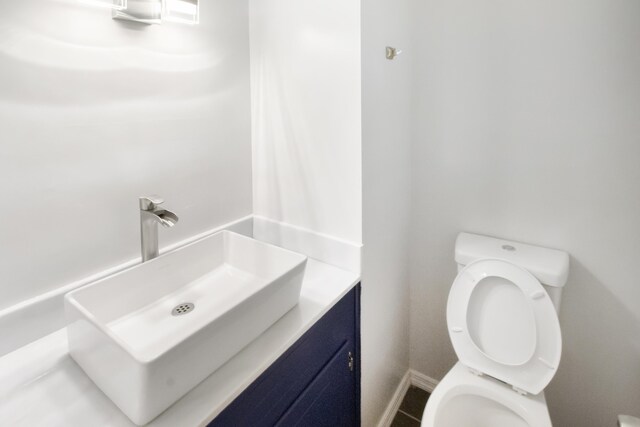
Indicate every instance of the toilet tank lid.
{"type": "Point", "coordinates": [549, 266]}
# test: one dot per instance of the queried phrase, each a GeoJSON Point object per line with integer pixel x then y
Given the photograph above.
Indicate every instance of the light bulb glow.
{"type": "Point", "coordinates": [183, 11]}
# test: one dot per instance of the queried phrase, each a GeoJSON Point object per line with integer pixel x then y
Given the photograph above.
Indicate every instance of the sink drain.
{"type": "Point", "coordinates": [183, 308]}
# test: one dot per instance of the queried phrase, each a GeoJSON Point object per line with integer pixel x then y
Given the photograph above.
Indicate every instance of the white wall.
{"type": "Point", "coordinates": [305, 74]}
{"type": "Point", "coordinates": [529, 129]}
{"type": "Point", "coordinates": [387, 88]}
{"type": "Point", "coordinates": [95, 112]}
{"type": "Point", "coordinates": [305, 83]}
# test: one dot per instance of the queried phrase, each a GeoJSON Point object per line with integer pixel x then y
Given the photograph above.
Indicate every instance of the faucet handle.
{"type": "Point", "coordinates": [149, 203]}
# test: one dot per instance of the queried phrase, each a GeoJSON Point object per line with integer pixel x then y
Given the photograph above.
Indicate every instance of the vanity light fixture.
{"type": "Point", "coordinates": [141, 11]}
{"type": "Point", "coordinates": [156, 11]}
{"type": "Point", "coordinates": [110, 4]}
{"type": "Point", "coordinates": [182, 11]}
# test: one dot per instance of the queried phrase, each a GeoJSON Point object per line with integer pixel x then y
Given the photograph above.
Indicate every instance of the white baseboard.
{"type": "Point", "coordinates": [393, 406]}
{"type": "Point", "coordinates": [32, 319]}
{"type": "Point", "coordinates": [328, 249]}
{"type": "Point", "coordinates": [422, 381]}
{"type": "Point", "coordinates": [411, 378]}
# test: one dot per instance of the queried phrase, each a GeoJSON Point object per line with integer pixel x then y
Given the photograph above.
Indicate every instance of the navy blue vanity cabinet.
{"type": "Point", "coordinates": [315, 383]}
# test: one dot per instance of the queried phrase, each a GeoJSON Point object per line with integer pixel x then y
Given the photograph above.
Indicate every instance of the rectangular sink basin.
{"type": "Point", "coordinates": [150, 334]}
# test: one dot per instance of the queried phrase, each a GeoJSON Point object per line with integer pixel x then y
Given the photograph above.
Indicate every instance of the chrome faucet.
{"type": "Point", "coordinates": [150, 215]}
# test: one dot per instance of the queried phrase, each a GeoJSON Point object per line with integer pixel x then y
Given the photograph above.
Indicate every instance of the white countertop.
{"type": "Point", "coordinates": [40, 385]}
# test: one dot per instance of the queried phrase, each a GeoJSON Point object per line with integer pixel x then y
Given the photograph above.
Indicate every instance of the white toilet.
{"type": "Point", "coordinates": [503, 323]}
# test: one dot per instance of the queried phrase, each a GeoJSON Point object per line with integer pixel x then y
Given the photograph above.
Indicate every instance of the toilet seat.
{"type": "Point", "coordinates": [462, 399]}
{"type": "Point", "coordinates": [502, 323]}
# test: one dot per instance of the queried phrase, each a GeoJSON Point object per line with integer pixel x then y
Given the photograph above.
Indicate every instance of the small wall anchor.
{"type": "Point", "coordinates": [392, 53]}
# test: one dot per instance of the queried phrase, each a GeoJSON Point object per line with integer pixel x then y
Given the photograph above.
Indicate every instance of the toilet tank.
{"type": "Point", "coordinates": [549, 266]}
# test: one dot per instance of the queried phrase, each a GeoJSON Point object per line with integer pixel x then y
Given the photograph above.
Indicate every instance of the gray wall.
{"type": "Point", "coordinates": [305, 94]}
{"type": "Point", "coordinates": [387, 123]}
{"type": "Point", "coordinates": [529, 129]}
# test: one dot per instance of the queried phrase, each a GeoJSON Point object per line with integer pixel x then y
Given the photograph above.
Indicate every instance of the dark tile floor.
{"type": "Point", "coordinates": [411, 408]}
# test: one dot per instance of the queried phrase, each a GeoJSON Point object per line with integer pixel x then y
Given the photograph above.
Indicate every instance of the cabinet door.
{"type": "Point", "coordinates": [330, 400]}
{"type": "Point", "coordinates": [320, 353]}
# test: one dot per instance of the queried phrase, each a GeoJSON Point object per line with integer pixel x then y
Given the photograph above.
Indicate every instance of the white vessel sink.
{"type": "Point", "coordinates": [150, 334]}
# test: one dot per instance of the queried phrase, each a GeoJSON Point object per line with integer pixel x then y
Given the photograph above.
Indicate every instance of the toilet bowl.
{"type": "Point", "coordinates": [463, 399]}
{"type": "Point", "coordinates": [503, 324]}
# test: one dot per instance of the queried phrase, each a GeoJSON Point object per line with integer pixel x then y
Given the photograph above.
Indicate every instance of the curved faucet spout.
{"type": "Point", "coordinates": [151, 214]}
{"type": "Point", "coordinates": [166, 218]}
